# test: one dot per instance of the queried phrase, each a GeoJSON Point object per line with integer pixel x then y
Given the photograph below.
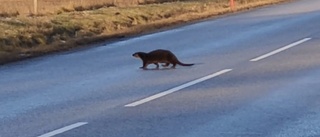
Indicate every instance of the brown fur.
{"type": "Point", "coordinates": [159, 56]}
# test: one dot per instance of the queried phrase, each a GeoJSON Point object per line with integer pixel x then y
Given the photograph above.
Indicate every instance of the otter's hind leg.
{"type": "Point", "coordinates": [173, 65]}
{"type": "Point", "coordinates": [165, 65]}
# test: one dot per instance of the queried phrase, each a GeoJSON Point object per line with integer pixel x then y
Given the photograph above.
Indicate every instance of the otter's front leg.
{"type": "Point", "coordinates": [156, 65]}
{"type": "Point", "coordinates": [144, 65]}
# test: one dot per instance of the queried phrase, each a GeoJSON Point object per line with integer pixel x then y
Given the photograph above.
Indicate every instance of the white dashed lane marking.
{"type": "Point", "coordinates": [64, 129]}
{"type": "Point", "coordinates": [164, 93]}
{"type": "Point", "coordinates": [280, 50]}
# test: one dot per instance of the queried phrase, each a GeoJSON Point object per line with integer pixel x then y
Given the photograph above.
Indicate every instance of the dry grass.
{"type": "Point", "coordinates": [27, 36]}
{"type": "Point", "coordinates": [47, 6]}
{"type": "Point", "coordinates": [9, 7]}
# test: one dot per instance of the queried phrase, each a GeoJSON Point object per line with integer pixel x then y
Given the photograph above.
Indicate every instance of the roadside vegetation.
{"type": "Point", "coordinates": [24, 36]}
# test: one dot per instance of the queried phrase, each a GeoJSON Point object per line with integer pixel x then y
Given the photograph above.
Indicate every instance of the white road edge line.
{"type": "Point", "coordinates": [164, 93]}
{"type": "Point", "coordinates": [64, 129]}
{"type": "Point", "coordinates": [280, 50]}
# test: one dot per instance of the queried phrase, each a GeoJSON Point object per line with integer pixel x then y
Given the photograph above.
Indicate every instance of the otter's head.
{"type": "Point", "coordinates": [138, 54]}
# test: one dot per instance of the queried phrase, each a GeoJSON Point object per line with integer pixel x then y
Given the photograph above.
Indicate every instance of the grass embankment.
{"type": "Point", "coordinates": [23, 36]}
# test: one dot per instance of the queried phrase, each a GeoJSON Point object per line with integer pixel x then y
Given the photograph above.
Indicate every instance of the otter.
{"type": "Point", "coordinates": [159, 56]}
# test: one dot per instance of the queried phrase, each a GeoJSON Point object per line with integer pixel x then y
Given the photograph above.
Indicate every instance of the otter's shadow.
{"type": "Point", "coordinates": [159, 69]}
{"type": "Point", "coordinates": [166, 68]}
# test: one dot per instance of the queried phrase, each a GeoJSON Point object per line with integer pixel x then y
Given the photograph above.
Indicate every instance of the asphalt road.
{"type": "Point", "coordinates": [257, 73]}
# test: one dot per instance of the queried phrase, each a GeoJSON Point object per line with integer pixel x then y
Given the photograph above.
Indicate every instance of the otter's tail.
{"type": "Point", "coordinates": [183, 64]}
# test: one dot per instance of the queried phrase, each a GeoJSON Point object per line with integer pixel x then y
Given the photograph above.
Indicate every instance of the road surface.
{"type": "Point", "coordinates": [257, 74]}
